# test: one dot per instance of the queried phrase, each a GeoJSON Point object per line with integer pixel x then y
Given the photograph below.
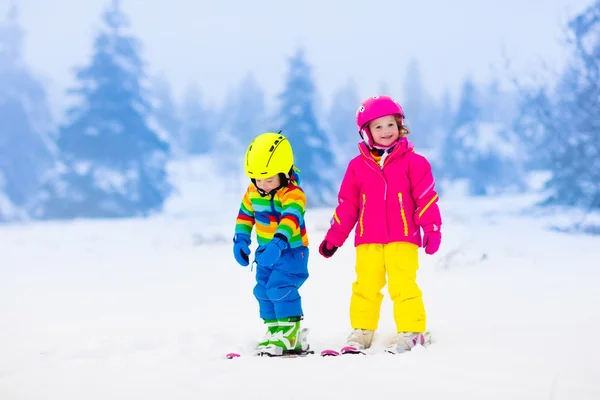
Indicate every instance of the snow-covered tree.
{"type": "Point", "coordinates": [198, 123]}
{"type": "Point", "coordinates": [484, 154]}
{"type": "Point", "coordinates": [167, 112]}
{"type": "Point", "coordinates": [341, 120]}
{"type": "Point", "coordinates": [112, 164]}
{"type": "Point", "coordinates": [419, 108]}
{"type": "Point", "coordinates": [564, 121]}
{"type": "Point", "coordinates": [243, 117]}
{"type": "Point", "coordinates": [25, 127]}
{"type": "Point", "coordinates": [312, 149]}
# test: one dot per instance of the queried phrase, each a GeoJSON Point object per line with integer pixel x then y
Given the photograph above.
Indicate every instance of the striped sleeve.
{"type": "Point", "coordinates": [293, 206]}
{"type": "Point", "coordinates": [245, 219]}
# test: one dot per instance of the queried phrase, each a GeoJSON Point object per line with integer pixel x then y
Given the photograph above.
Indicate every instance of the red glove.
{"type": "Point", "coordinates": [326, 249]}
{"type": "Point", "coordinates": [432, 238]}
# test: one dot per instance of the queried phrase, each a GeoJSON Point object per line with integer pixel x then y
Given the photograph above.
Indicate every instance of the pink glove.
{"type": "Point", "coordinates": [432, 238]}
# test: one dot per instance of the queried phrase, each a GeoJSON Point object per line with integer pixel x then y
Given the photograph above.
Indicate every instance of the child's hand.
{"type": "Point", "coordinates": [432, 241]}
{"type": "Point", "coordinates": [241, 249]}
{"type": "Point", "coordinates": [326, 249]}
{"type": "Point", "coordinates": [268, 254]}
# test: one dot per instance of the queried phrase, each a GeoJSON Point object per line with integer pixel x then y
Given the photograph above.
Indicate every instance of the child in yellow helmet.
{"type": "Point", "coordinates": [275, 203]}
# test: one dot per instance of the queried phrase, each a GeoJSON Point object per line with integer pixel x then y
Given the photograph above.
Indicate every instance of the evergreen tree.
{"type": "Point", "coordinates": [576, 156]}
{"type": "Point", "coordinates": [312, 148]}
{"type": "Point", "coordinates": [419, 108]}
{"type": "Point", "coordinates": [167, 112]}
{"type": "Point", "coordinates": [198, 123]}
{"type": "Point", "coordinates": [454, 157]}
{"type": "Point", "coordinates": [112, 162]}
{"type": "Point", "coordinates": [484, 154]}
{"type": "Point", "coordinates": [25, 144]}
{"type": "Point", "coordinates": [242, 119]}
{"type": "Point", "coordinates": [342, 124]}
{"type": "Point", "coordinates": [245, 116]}
{"type": "Point", "coordinates": [564, 122]}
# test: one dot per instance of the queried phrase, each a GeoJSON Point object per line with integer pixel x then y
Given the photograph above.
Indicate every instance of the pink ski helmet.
{"type": "Point", "coordinates": [373, 108]}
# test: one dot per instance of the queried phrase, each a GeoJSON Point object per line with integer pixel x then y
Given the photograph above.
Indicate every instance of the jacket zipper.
{"type": "Point", "coordinates": [273, 208]}
{"type": "Point", "coordinates": [380, 173]}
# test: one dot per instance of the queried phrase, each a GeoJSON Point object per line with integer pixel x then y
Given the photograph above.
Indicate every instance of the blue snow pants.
{"type": "Point", "coordinates": [277, 285]}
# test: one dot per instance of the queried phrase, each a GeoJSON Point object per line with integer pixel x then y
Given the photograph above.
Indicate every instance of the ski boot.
{"type": "Point", "coordinates": [358, 341]}
{"type": "Point", "coordinates": [288, 339]}
{"type": "Point", "coordinates": [272, 327]}
{"type": "Point", "coordinates": [405, 341]}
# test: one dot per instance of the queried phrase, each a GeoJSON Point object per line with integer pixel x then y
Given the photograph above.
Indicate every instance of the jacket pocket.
{"type": "Point", "coordinates": [362, 214]}
{"type": "Point", "coordinates": [403, 214]}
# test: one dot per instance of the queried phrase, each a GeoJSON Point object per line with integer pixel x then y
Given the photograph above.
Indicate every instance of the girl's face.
{"type": "Point", "coordinates": [385, 130]}
{"type": "Point", "coordinates": [268, 184]}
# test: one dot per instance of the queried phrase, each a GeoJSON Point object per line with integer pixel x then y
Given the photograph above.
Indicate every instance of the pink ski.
{"type": "Point", "coordinates": [345, 350]}
{"type": "Point", "coordinates": [351, 350]}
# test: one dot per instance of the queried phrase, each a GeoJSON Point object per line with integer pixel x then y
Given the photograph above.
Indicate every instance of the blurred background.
{"type": "Point", "coordinates": [106, 106]}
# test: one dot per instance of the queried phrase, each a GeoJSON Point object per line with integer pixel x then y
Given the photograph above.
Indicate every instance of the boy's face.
{"type": "Point", "coordinates": [268, 184]}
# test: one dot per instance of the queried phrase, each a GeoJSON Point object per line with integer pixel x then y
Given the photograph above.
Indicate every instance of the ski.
{"type": "Point", "coordinates": [344, 350]}
{"type": "Point", "coordinates": [287, 354]}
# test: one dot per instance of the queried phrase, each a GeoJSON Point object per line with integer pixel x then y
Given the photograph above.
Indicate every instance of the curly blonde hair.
{"type": "Point", "coordinates": [403, 129]}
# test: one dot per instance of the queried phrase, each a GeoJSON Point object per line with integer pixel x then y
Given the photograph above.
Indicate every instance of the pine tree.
{"type": "Point", "coordinates": [167, 112]}
{"type": "Point", "coordinates": [112, 162]}
{"type": "Point", "coordinates": [342, 124]}
{"type": "Point", "coordinates": [562, 124]}
{"type": "Point", "coordinates": [25, 127]}
{"type": "Point", "coordinates": [198, 127]}
{"type": "Point", "coordinates": [242, 119]}
{"type": "Point", "coordinates": [418, 107]}
{"type": "Point", "coordinates": [463, 125]}
{"type": "Point", "coordinates": [247, 116]}
{"type": "Point", "coordinates": [484, 154]}
{"type": "Point", "coordinates": [312, 149]}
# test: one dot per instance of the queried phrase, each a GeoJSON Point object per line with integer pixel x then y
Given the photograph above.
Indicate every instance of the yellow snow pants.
{"type": "Point", "coordinates": [400, 261]}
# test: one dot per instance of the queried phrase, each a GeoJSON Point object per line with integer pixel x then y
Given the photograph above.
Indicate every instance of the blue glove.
{"type": "Point", "coordinates": [269, 253]}
{"type": "Point", "coordinates": [241, 249]}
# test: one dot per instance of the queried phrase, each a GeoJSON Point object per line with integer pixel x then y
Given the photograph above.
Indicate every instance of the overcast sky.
{"type": "Point", "coordinates": [216, 42]}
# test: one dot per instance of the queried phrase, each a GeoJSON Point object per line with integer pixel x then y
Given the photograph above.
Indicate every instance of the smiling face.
{"type": "Point", "coordinates": [385, 130]}
{"type": "Point", "coordinates": [268, 184]}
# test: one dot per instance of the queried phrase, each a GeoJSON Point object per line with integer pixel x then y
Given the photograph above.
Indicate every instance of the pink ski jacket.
{"type": "Point", "coordinates": [390, 202]}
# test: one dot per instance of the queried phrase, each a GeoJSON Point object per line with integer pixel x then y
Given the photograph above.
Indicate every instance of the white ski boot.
{"type": "Point", "coordinates": [360, 339]}
{"type": "Point", "coordinates": [405, 341]}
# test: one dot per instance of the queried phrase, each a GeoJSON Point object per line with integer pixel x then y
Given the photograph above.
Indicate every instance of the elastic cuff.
{"type": "Point", "coordinates": [281, 237]}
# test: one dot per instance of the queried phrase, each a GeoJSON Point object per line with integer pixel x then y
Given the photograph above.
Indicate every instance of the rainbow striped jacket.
{"type": "Point", "coordinates": [281, 214]}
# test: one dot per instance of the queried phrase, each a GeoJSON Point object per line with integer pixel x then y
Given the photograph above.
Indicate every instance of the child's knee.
{"type": "Point", "coordinates": [278, 294]}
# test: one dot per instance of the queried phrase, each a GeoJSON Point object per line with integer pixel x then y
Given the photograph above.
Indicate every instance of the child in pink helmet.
{"type": "Point", "coordinates": [388, 194]}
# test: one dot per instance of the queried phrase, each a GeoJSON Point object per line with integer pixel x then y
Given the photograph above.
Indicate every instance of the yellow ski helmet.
{"type": "Point", "coordinates": [269, 154]}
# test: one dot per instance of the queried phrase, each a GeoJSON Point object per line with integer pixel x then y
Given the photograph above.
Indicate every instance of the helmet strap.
{"type": "Point", "coordinates": [284, 180]}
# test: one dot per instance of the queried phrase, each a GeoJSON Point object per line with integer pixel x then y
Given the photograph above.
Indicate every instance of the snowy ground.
{"type": "Point", "coordinates": [147, 309]}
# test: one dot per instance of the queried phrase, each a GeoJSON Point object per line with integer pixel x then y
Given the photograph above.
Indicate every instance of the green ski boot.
{"type": "Point", "coordinates": [272, 327]}
{"type": "Point", "coordinates": [287, 339]}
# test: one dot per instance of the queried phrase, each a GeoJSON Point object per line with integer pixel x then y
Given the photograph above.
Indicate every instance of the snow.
{"type": "Point", "coordinates": [142, 309]}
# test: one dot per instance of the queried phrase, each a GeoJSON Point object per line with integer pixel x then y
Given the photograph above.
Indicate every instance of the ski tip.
{"type": "Point", "coordinates": [351, 350]}
{"type": "Point", "coordinates": [329, 353]}
{"type": "Point", "coordinates": [229, 356]}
